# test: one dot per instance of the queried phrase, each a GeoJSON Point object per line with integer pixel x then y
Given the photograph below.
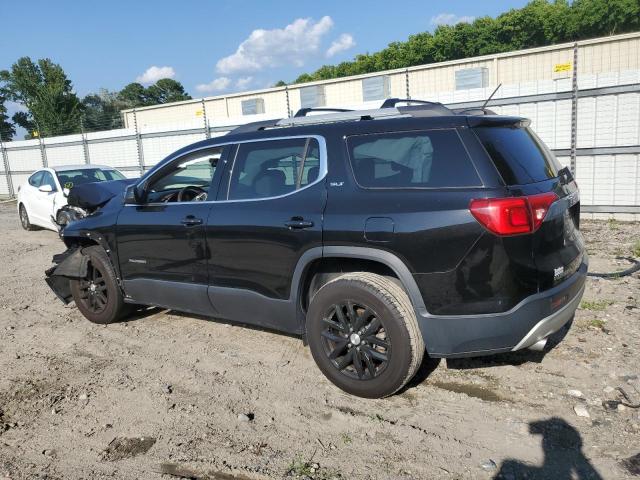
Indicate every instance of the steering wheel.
{"type": "Point", "coordinates": [198, 194]}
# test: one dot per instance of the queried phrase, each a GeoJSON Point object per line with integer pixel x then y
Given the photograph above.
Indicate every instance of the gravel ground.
{"type": "Point", "coordinates": [165, 395]}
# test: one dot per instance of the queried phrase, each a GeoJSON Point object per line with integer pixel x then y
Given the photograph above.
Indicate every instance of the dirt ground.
{"type": "Point", "coordinates": [165, 395]}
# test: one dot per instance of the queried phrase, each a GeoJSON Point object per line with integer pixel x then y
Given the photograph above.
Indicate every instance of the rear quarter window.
{"type": "Point", "coordinates": [518, 154]}
{"type": "Point", "coordinates": [417, 159]}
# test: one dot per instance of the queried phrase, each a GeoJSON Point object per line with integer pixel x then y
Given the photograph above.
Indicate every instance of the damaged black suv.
{"type": "Point", "coordinates": [376, 235]}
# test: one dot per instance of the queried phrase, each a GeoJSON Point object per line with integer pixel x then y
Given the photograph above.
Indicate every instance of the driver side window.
{"type": "Point", "coordinates": [188, 180]}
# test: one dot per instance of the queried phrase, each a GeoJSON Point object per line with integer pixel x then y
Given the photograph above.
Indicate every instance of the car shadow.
{"type": "Point", "coordinates": [563, 456]}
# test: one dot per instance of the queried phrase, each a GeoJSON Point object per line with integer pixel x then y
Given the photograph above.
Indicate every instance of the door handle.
{"type": "Point", "coordinates": [298, 223]}
{"type": "Point", "coordinates": [191, 221]}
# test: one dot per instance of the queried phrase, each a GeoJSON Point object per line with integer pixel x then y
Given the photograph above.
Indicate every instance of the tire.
{"type": "Point", "coordinates": [24, 218]}
{"type": "Point", "coordinates": [62, 219]}
{"type": "Point", "coordinates": [103, 303]}
{"type": "Point", "coordinates": [390, 350]}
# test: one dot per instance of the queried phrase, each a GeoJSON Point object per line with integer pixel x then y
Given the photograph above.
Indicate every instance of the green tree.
{"type": "Point", "coordinates": [164, 90]}
{"type": "Point", "coordinates": [7, 130]}
{"type": "Point", "coordinates": [101, 111]}
{"type": "Point", "coordinates": [44, 89]}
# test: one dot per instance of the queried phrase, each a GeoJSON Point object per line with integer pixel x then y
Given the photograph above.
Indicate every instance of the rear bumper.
{"type": "Point", "coordinates": [533, 319]}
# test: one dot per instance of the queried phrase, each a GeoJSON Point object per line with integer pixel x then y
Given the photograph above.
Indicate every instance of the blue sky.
{"type": "Point", "coordinates": [213, 47]}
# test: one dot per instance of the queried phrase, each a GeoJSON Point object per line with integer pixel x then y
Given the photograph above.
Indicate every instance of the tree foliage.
{"type": "Point", "coordinates": [7, 130]}
{"type": "Point", "coordinates": [164, 90]}
{"type": "Point", "coordinates": [538, 23]}
{"type": "Point", "coordinates": [44, 89]}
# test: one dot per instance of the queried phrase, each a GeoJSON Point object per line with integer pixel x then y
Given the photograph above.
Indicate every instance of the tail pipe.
{"type": "Point", "coordinates": [539, 345]}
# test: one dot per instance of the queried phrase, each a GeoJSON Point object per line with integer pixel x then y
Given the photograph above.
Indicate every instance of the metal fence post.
{"type": "Point", "coordinates": [207, 131]}
{"type": "Point", "coordinates": [574, 110]}
{"type": "Point", "coordinates": [7, 172]}
{"type": "Point", "coordinates": [286, 93]}
{"type": "Point", "coordinates": [43, 152]}
{"type": "Point", "coordinates": [138, 143]}
{"type": "Point", "coordinates": [85, 145]}
{"type": "Point", "coordinates": [406, 79]}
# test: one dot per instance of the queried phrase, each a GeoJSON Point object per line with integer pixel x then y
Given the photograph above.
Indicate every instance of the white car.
{"type": "Point", "coordinates": [42, 196]}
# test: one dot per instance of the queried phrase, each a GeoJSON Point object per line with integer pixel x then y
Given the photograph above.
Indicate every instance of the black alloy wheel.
{"type": "Point", "coordinates": [355, 340]}
{"type": "Point", "coordinates": [93, 290]}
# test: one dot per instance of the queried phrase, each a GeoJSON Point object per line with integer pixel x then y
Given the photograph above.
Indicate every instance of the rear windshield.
{"type": "Point", "coordinates": [424, 159]}
{"type": "Point", "coordinates": [71, 178]}
{"type": "Point", "coordinates": [518, 154]}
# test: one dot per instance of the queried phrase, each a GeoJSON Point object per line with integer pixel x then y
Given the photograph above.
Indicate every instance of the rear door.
{"type": "Point", "coordinates": [268, 213]}
{"type": "Point", "coordinates": [528, 167]}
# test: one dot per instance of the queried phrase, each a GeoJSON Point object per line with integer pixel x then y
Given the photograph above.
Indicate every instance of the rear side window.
{"type": "Point", "coordinates": [518, 154]}
{"type": "Point", "coordinates": [425, 159]}
{"type": "Point", "coordinates": [273, 168]}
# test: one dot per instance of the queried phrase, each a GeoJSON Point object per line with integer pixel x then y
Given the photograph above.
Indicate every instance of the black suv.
{"type": "Point", "coordinates": [376, 235]}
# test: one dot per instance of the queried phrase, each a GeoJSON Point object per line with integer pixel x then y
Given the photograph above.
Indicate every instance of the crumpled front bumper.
{"type": "Point", "coordinates": [71, 264]}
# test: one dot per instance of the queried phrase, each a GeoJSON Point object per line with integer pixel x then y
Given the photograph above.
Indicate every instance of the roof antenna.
{"type": "Point", "coordinates": [484, 105]}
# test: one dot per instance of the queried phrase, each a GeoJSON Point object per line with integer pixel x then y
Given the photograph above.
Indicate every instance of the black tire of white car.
{"type": "Point", "coordinates": [24, 219]}
{"type": "Point", "coordinates": [98, 297]}
{"type": "Point", "coordinates": [366, 319]}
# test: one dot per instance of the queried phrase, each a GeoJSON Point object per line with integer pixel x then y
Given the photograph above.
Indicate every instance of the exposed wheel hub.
{"type": "Point", "coordinates": [354, 339]}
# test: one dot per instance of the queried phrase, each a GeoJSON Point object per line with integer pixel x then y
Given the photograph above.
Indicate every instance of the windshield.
{"type": "Point", "coordinates": [71, 178]}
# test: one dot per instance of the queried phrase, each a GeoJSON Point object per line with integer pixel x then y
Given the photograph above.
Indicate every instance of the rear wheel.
{"type": "Point", "coordinates": [98, 296]}
{"type": "Point", "coordinates": [363, 334]}
{"type": "Point", "coordinates": [24, 218]}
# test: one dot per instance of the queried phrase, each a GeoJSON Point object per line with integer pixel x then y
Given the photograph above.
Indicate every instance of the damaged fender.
{"type": "Point", "coordinates": [70, 265]}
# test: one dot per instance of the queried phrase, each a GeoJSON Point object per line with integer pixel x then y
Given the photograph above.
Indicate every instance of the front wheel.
{"type": "Point", "coordinates": [24, 219]}
{"type": "Point", "coordinates": [363, 334]}
{"type": "Point", "coordinates": [98, 296]}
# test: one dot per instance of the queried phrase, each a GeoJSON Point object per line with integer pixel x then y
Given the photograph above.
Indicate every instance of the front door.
{"type": "Point", "coordinates": [161, 243]}
{"type": "Point", "coordinates": [268, 213]}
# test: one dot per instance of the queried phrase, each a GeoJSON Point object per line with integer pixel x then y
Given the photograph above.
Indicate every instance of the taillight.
{"type": "Point", "coordinates": [512, 215]}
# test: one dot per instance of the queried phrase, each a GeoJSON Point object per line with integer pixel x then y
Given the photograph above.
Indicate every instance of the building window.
{"type": "Point", "coordinates": [311, 97]}
{"type": "Point", "coordinates": [472, 78]}
{"type": "Point", "coordinates": [252, 106]}
{"type": "Point", "coordinates": [375, 88]}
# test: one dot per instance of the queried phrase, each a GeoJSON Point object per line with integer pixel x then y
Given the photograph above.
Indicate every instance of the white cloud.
{"type": "Point", "coordinates": [244, 82]}
{"type": "Point", "coordinates": [153, 74]}
{"type": "Point", "coordinates": [344, 42]}
{"type": "Point", "coordinates": [294, 43]}
{"type": "Point", "coordinates": [451, 19]}
{"type": "Point", "coordinates": [216, 85]}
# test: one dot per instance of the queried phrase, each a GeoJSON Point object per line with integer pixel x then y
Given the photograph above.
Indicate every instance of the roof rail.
{"type": "Point", "coordinates": [392, 102]}
{"type": "Point", "coordinates": [344, 116]}
{"type": "Point", "coordinates": [255, 126]}
{"type": "Point", "coordinates": [303, 111]}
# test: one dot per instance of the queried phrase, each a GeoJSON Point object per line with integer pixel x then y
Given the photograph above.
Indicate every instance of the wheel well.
{"type": "Point", "coordinates": [323, 270]}
{"type": "Point", "coordinates": [80, 242]}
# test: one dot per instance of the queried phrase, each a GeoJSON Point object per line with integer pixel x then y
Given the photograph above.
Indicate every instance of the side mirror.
{"type": "Point", "coordinates": [45, 188]}
{"type": "Point", "coordinates": [134, 194]}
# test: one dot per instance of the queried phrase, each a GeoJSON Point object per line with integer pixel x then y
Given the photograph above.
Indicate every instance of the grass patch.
{"type": "Point", "coordinates": [346, 439]}
{"type": "Point", "coordinates": [301, 468]}
{"type": "Point", "coordinates": [613, 224]}
{"type": "Point", "coordinates": [635, 250]}
{"type": "Point", "coordinates": [595, 305]}
{"type": "Point", "coordinates": [597, 323]}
